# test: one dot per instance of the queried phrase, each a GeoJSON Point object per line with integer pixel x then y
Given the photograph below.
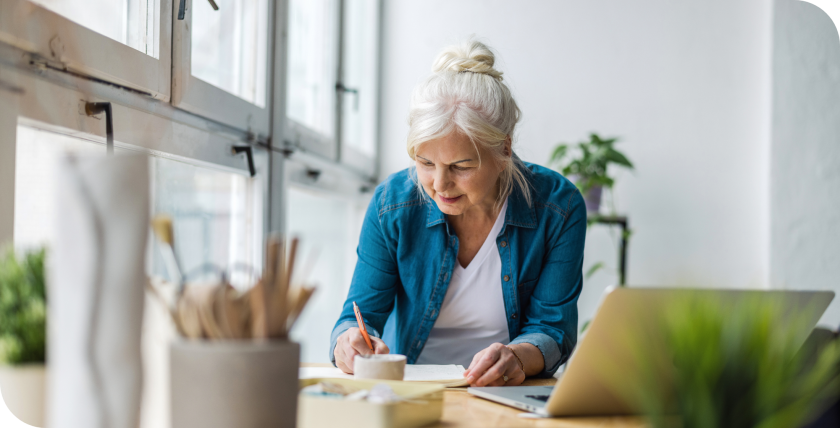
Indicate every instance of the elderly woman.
{"type": "Point", "coordinates": [470, 256]}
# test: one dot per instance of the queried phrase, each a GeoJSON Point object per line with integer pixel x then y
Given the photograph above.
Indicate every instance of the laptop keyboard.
{"type": "Point", "coordinates": [538, 397]}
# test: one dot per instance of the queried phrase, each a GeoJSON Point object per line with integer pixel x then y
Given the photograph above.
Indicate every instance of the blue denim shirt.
{"type": "Point", "coordinates": [407, 252]}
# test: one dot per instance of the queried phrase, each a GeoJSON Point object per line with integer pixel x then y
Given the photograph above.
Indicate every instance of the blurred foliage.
{"type": "Point", "coordinates": [23, 312]}
{"type": "Point", "coordinates": [735, 365]}
{"type": "Point", "coordinates": [594, 268]}
{"type": "Point", "coordinates": [590, 166]}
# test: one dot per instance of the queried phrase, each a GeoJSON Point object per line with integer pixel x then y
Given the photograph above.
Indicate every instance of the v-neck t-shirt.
{"type": "Point", "coordinates": [472, 316]}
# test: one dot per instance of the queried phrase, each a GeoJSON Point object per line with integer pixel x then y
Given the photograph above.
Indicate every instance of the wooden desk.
{"type": "Point", "coordinates": [460, 409]}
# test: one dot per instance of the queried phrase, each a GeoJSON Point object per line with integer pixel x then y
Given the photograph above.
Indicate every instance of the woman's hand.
{"type": "Point", "coordinates": [350, 344]}
{"type": "Point", "coordinates": [490, 366]}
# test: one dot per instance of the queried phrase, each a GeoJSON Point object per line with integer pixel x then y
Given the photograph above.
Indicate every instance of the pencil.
{"type": "Point", "coordinates": [362, 326]}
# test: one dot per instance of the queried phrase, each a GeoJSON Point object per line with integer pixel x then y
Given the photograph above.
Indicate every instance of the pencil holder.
{"type": "Point", "coordinates": [234, 384]}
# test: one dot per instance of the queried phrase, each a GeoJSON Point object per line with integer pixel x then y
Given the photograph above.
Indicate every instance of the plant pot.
{"type": "Point", "coordinates": [234, 384]}
{"type": "Point", "coordinates": [592, 199]}
{"type": "Point", "coordinates": [23, 389]}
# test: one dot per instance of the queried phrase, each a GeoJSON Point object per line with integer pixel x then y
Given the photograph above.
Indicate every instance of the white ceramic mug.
{"type": "Point", "coordinates": [379, 366]}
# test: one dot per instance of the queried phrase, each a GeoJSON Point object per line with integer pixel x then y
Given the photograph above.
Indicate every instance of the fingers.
{"type": "Point", "coordinates": [352, 343]}
{"type": "Point", "coordinates": [379, 347]}
{"type": "Point", "coordinates": [475, 360]}
{"type": "Point", "coordinates": [488, 358]}
{"type": "Point", "coordinates": [495, 373]}
{"type": "Point", "coordinates": [340, 361]}
{"type": "Point", "coordinates": [357, 342]}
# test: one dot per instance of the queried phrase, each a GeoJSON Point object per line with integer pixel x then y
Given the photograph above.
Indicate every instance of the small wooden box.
{"type": "Point", "coordinates": [425, 407]}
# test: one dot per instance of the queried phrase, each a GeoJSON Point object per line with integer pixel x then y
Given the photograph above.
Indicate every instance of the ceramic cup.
{"type": "Point", "coordinates": [379, 366]}
{"type": "Point", "coordinates": [242, 384]}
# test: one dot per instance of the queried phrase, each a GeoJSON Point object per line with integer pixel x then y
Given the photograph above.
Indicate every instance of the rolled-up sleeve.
{"type": "Point", "coordinates": [551, 319]}
{"type": "Point", "coordinates": [375, 278]}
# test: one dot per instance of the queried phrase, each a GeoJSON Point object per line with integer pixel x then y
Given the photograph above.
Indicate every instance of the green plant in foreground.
{"type": "Point", "coordinates": [590, 167]}
{"type": "Point", "coordinates": [734, 365]}
{"type": "Point", "coordinates": [23, 312]}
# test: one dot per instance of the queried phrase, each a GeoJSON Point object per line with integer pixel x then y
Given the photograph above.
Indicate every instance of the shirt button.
{"type": "Point", "coordinates": [507, 278]}
{"type": "Point", "coordinates": [504, 244]}
{"type": "Point", "coordinates": [513, 316]}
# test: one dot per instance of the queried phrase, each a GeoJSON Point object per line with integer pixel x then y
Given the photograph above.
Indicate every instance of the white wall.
{"type": "Point", "coordinates": [805, 197]}
{"type": "Point", "coordinates": [685, 84]}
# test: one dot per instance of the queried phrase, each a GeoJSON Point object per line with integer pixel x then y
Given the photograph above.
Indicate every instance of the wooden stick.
{"type": "Point", "coordinates": [291, 265]}
{"type": "Point", "coordinates": [274, 247]}
{"type": "Point", "coordinates": [300, 304]}
{"type": "Point", "coordinates": [279, 299]}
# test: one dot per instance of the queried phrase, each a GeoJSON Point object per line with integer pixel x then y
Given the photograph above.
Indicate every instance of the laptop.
{"type": "Point", "coordinates": [583, 389]}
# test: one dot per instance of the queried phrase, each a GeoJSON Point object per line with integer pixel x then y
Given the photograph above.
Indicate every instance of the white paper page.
{"type": "Point", "coordinates": [433, 372]}
{"type": "Point", "coordinates": [322, 372]}
{"type": "Point", "coordinates": [413, 372]}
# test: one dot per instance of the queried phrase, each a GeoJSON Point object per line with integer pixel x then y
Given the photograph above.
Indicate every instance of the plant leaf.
{"type": "Point", "coordinates": [593, 269]}
{"type": "Point", "coordinates": [617, 157]}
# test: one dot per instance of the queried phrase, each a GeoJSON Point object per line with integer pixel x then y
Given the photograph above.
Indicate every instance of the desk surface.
{"type": "Point", "coordinates": [460, 409]}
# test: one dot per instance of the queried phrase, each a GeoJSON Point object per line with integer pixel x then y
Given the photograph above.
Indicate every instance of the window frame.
{"type": "Point", "coordinates": [298, 137]}
{"type": "Point", "coordinates": [167, 132]}
{"type": "Point", "coordinates": [53, 41]}
{"type": "Point", "coordinates": [199, 97]}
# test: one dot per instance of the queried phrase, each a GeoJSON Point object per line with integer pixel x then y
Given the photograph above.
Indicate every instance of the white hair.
{"type": "Point", "coordinates": [465, 94]}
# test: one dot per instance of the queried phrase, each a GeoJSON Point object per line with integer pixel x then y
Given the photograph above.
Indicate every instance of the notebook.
{"type": "Point", "coordinates": [449, 375]}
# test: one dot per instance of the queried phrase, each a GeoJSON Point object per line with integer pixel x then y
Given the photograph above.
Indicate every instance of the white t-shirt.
{"type": "Point", "coordinates": [472, 316]}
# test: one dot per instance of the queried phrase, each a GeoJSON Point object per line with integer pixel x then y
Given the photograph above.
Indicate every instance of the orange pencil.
{"type": "Point", "coordinates": [362, 326]}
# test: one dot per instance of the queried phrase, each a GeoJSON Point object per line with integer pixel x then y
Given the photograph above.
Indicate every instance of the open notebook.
{"type": "Point", "coordinates": [450, 376]}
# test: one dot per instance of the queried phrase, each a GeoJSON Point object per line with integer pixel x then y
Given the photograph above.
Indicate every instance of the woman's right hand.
{"type": "Point", "coordinates": [350, 344]}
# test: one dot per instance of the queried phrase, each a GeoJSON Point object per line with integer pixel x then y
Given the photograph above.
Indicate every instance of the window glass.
{"type": "Point", "coordinates": [312, 64]}
{"type": "Point", "coordinates": [216, 219]}
{"type": "Point", "coordinates": [217, 214]}
{"type": "Point", "coordinates": [135, 23]}
{"type": "Point", "coordinates": [36, 156]}
{"type": "Point", "coordinates": [360, 75]}
{"type": "Point", "coordinates": [229, 46]}
{"type": "Point", "coordinates": [329, 227]}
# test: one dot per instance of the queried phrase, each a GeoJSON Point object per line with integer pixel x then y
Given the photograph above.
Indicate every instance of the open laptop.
{"type": "Point", "coordinates": [584, 389]}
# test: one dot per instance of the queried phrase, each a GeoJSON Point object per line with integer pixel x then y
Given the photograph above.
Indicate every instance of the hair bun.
{"type": "Point", "coordinates": [471, 56]}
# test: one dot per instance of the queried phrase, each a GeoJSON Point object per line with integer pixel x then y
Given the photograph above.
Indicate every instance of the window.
{"type": "Point", "coordinates": [134, 23]}
{"type": "Point", "coordinates": [221, 62]}
{"type": "Point", "coordinates": [125, 42]}
{"type": "Point", "coordinates": [360, 65]}
{"type": "Point", "coordinates": [328, 227]}
{"type": "Point", "coordinates": [216, 220]}
{"type": "Point", "coordinates": [38, 152]}
{"type": "Point", "coordinates": [332, 80]}
{"type": "Point", "coordinates": [217, 213]}
{"type": "Point", "coordinates": [312, 64]}
{"type": "Point", "coordinates": [184, 93]}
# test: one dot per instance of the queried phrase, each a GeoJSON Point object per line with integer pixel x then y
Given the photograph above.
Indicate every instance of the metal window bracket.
{"type": "Point", "coordinates": [249, 154]}
{"type": "Point", "coordinates": [182, 8]}
{"type": "Point", "coordinates": [340, 87]}
{"type": "Point", "coordinates": [92, 109]}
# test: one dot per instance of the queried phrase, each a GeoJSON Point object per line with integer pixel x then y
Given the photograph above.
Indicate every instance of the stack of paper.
{"type": "Point", "coordinates": [450, 376]}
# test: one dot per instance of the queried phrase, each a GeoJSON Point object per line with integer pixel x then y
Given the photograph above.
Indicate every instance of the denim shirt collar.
{"type": "Point", "coordinates": [518, 212]}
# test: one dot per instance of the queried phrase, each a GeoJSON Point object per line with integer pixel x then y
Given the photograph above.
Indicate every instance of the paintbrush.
{"type": "Point", "coordinates": [162, 226]}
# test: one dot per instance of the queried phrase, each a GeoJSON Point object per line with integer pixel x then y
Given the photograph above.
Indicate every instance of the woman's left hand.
{"type": "Point", "coordinates": [490, 366]}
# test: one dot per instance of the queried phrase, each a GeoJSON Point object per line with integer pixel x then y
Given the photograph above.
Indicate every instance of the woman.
{"type": "Point", "coordinates": [472, 256]}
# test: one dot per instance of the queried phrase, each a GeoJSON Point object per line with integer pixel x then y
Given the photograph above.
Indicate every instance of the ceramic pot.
{"type": "Point", "coordinates": [23, 389]}
{"type": "Point", "coordinates": [592, 199]}
{"type": "Point", "coordinates": [234, 384]}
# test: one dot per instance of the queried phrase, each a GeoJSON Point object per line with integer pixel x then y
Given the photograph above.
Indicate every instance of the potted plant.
{"type": "Point", "coordinates": [588, 170]}
{"type": "Point", "coordinates": [23, 334]}
{"type": "Point", "coordinates": [734, 365]}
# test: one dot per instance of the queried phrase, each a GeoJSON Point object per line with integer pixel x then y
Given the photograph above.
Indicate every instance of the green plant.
{"type": "Point", "coordinates": [23, 314]}
{"type": "Point", "coordinates": [734, 365]}
{"type": "Point", "coordinates": [590, 166]}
